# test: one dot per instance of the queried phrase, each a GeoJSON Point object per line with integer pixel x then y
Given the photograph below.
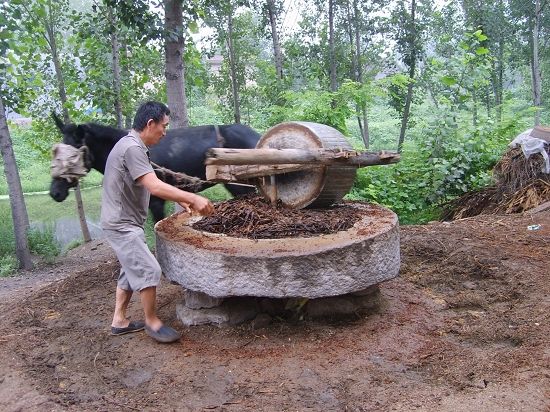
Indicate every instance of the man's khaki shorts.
{"type": "Point", "coordinates": [139, 268]}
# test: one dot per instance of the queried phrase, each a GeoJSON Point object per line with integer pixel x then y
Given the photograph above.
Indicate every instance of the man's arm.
{"type": "Point", "coordinates": [188, 200]}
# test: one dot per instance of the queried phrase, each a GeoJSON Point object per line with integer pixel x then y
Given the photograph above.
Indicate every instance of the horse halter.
{"type": "Point", "coordinates": [69, 163]}
{"type": "Point", "coordinates": [219, 138]}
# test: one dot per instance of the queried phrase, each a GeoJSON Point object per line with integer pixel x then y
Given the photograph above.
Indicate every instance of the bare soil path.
{"type": "Point", "coordinates": [465, 327]}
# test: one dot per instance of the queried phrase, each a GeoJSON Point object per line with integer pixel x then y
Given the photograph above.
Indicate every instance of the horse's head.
{"type": "Point", "coordinates": [71, 159]}
{"type": "Point", "coordinates": [73, 135]}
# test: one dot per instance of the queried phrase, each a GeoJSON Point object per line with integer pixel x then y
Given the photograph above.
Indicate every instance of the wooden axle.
{"type": "Point", "coordinates": [242, 173]}
{"type": "Point", "coordinates": [219, 156]}
{"type": "Point", "coordinates": [234, 165]}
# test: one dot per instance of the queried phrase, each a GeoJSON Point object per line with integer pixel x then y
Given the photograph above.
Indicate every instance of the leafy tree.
{"type": "Point", "coordinates": [494, 20]}
{"type": "Point", "coordinates": [360, 22]}
{"type": "Point", "coordinates": [140, 62]}
{"type": "Point", "coordinates": [236, 37]}
{"type": "Point", "coordinates": [270, 11]}
{"type": "Point", "coordinates": [17, 201]}
{"type": "Point", "coordinates": [409, 22]}
{"type": "Point", "coordinates": [532, 22]}
{"type": "Point", "coordinates": [45, 21]}
{"type": "Point", "coordinates": [179, 16]}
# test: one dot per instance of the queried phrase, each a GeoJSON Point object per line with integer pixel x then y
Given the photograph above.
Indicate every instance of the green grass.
{"type": "Point", "coordinates": [42, 208]}
{"type": "Point", "coordinates": [8, 265]}
{"type": "Point", "coordinates": [216, 193]}
{"type": "Point", "coordinates": [43, 243]}
{"type": "Point", "coordinates": [8, 261]}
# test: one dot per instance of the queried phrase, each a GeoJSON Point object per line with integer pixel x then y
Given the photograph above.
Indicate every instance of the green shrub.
{"type": "Point", "coordinates": [8, 265]}
{"type": "Point", "coordinates": [7, 240]}
{"type": "Point", "coordinates": [217, 193]}
{"type": "Point", "coordinates": [73, 244]}
{"type": "Point", "coordinates": [43, 243]}
{"type": "Point", "coordinates": [438, 162]}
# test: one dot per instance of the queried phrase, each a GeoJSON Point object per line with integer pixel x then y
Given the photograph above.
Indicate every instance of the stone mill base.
{"type": "Point", "coordinates": [197, 308]}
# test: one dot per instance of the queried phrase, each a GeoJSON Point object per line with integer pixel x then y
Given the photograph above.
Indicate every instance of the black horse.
{"type": "Point", "coordinates": [181, 150]}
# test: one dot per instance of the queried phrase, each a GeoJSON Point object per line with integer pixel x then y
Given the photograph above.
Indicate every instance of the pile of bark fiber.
{"type": "Point", "coordinates": [520, 185]}
{"type": "Point", "coordinates": [255, 218]}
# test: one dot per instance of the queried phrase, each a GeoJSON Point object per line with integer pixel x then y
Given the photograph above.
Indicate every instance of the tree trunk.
{"type": "Point", "coordinates": [125, 74]}
{"type": "Point", "coordinates": [17, 201]}
{"type": "Point", "coordinates": [50, 29]}
{"type": "Point", "coordinates": [497, 80]}
{"type": "Point", "coordinates": [352, 26]}
{"type": "Point", "coordinates": [332, 57]}
{"type": "Point", "coordinates": [81, 215]}
{"type": "Point", "coordinates": [58, 72]}
{"type": "Point", "coordinates": [365, 130]}
{"type": "Point", "coordinates": [474, 108]}
{"type": "Point", "coordinates": [535, 63]}
{"type": "Point", "coordinates": [277, 54]}
{"type": "Point", "coordinates": [498, 86]}
{"type": "Point", "coordinates": [175, 67]}
{"type": "Point", "coordinates": [358, 26]}
{"type": "Point", "coordinates": [365, 135]}
{"type": "Point", "coordinates": [407, 108]}
{"type": "Point", "coordinates": [233, 69]}
{"type": "Point", "coordinates": [115, 51]}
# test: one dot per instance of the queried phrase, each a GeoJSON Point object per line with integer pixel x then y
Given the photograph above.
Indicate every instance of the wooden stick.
{"type": "Point", "coordinates": [235, 173]}
{"type": "Point", "coordinates": [217, 156]}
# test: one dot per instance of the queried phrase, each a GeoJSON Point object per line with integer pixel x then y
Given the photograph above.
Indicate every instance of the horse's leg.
{"type": "Point", "coordinates": [156, 205]}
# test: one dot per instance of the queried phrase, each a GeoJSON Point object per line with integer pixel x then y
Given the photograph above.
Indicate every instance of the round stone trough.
{"type": "Point", "coordinates": [220, 266]}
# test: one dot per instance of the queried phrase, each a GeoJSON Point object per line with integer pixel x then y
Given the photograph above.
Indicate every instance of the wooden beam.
{"type": "Point", "coordinates": [235, 173]}
{"type": "Point", "coordinates": [222, 156]}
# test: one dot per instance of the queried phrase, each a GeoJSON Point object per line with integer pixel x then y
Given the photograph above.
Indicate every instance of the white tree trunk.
{"type": "Point", "coordinates": [233, 70]}
{"type": "Point", "coordinates": [115, 63]}
{"type": "Point", "coordinates": [175, 67]}
{"type": "Point", "coordinates": [278, 57]}
{"type": "Point", "coordinates": [17, 201]}
{"type": "Point", "coordinates": [535, 64]}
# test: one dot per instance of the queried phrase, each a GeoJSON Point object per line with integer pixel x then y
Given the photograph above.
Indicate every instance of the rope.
{"type": "Point", "coordinates": [179, 179]}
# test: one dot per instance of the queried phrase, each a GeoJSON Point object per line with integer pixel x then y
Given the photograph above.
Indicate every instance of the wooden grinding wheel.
{"type": "Point", "coordinates": [318, 187]}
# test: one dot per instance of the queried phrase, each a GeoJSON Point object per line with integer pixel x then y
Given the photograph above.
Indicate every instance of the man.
{"type": "Point", "coordinates": [128, 182]}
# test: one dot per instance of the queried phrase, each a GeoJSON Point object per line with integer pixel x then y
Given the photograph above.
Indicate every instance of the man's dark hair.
{"type": "Point", "coordinates": [147, 111]}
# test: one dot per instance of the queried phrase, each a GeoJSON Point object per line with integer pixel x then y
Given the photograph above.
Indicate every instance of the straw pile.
{"type": "Point", "coordinates": [520, 185]}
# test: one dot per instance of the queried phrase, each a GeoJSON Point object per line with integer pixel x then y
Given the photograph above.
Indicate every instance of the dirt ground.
{"type": "Point", "coordinates": [465, 327]}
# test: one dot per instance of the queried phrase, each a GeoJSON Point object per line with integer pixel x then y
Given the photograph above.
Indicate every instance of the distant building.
{"type": "Point", "coordinates": [215, 63]}
{"type": "Point", "coordinates": [16, 118]}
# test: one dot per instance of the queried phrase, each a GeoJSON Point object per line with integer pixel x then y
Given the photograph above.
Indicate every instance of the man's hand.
{"type": "Point", "coordinates": [186, 207]}
{"type": "Point", "coordinates": [189, 201]}
{"type": "Point", "coordinates": [202, 206]}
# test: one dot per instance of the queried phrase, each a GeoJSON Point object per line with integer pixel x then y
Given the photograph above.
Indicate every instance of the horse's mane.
{"type": "Point", "coordinates": [102, 132]}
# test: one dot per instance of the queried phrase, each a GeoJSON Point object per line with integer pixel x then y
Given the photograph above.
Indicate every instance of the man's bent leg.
{"type": "Point", "coordinates": [148, 298]}
{"type": "Point", "coordinates": [153, 325]}
{"type": "Point", "coordinates": [122, 299]}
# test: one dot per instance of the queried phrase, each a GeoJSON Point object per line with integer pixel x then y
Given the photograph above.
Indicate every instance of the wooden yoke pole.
{"type": "Point", "coordinates": [238, 165]}
{"type": "Point", "coordinates": [222, 156]}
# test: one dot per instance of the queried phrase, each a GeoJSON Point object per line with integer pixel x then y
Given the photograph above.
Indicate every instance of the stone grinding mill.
{"type": "Point", "coordinates": [298, 165]}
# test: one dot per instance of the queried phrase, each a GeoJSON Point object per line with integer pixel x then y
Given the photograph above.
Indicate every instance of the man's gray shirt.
{"type": "Point", "coordinates": [124, 201]}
